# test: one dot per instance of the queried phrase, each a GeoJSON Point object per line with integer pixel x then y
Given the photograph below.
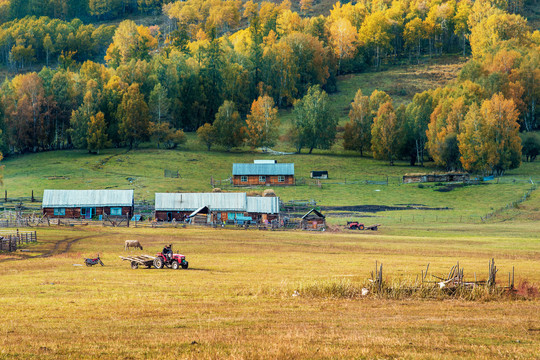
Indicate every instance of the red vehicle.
{"type": "Point", "coordinates": [174, 261]}
{"type": "Point", "coordinates": [355, 225]}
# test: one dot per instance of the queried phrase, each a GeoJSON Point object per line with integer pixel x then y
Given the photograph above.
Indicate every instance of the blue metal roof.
{"type": "Point", "coordinates": [86, 198]}
{"type": "Point", "coordinates": [237, 202]}
{"type": "Point", "coordinates": [263, 169]}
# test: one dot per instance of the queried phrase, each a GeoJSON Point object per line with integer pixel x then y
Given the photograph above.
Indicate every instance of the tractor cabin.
{"type": "Point", "coordinates": [313, 220]}
{"type": "Point", "coordinates": [263, 173]}
{"type": "Point", "coordinates": [216, 208]}
{"type": "Point", "coordinates": [87, 204]}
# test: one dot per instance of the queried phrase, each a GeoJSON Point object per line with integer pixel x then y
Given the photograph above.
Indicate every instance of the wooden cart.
{"type": "Point", "coordinates": [143, 260]}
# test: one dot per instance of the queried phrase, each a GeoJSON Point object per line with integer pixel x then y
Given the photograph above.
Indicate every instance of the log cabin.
{"type": "Point", "coordinates": [229, 208]}
{"type": "Point", "coordinates": [263, 174]}
{"type": "Point", "coordinates": [86, 204]}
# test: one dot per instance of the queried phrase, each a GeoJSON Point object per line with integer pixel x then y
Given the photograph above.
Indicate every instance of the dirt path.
{"type": "Point", "coordinates": [60, 247]}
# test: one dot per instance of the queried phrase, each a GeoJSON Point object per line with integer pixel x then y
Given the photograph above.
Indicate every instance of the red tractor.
{"type": "Point", "coordinates": [174, 261]}
{"type": "Point", "coordinates": [355, 225]}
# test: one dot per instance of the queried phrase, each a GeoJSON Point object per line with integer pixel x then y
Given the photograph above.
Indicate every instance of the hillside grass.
{"type": "Point", "coordinates": [143, 171]}
{"type": "Point", "coordinates": [236, 299]}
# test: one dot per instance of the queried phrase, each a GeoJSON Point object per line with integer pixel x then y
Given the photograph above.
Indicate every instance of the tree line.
{"type": "Point", "coordinates": [28, 41]}
{"type": "Point", "coordinates": [474, 122]}
{"type": "Point", "coordinates": [222, 66]}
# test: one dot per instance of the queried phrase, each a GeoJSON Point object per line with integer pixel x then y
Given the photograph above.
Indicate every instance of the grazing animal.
{"type": "Point", "coordinates": [133, 244]}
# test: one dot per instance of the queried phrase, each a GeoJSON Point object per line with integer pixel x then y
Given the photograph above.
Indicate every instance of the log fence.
{"type": "Point", "coordinates": [10, 241]}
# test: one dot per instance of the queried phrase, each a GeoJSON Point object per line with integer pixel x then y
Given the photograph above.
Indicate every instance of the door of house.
{"type": "Point", "coordinates": [169, 216]}
{"type": "Point", "coordinates": [88, 212]}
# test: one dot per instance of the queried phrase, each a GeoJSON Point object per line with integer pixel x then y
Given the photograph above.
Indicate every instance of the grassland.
{"type": "Point", "coordinates": [236, 299]}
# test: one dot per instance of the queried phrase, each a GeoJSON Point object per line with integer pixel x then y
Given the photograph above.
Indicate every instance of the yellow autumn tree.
{"type": "Point", "coordinates": [262, 123]}
{"type": "Point", "coordinates": [343, 39]}
{"type": "Point", "coordinates": [490, 142]}
{"type": "Point", "coordinates": [445, 123]}
{"type": "Point", "coordinates": [385, 134]}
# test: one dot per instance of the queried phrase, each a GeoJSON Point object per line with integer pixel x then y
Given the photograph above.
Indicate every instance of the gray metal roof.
{"type": "Point", "coordinates": [264, 205]}
{"type": "Point", "coordinates": [193, 201]}
{"type": "Point", "coordinates": [263, 169]}
{"type": "Point", "coordinates": [216, 202]}
{"type": "Point", "coordinates": [316, 212]}
{"type": "Point", "coordinates": [86, 198]}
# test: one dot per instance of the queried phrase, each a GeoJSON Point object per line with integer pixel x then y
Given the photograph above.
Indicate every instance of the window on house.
{"type": "Point", "coordinates": [116, 211]}
{"type": "Point", "coordinates": [262, 179]}
{"type": "Point", "coordinates": [281, 178]}
{"type": "Point", "coordinates": [243, 179]}
{"type": "Point", "coordinates": [83, 211]}
{"type": "Point", "coordinates": [60, 211]}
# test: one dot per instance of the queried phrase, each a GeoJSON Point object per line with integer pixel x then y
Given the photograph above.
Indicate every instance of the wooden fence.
{"type": "Point", "coordinates": [10, 241]}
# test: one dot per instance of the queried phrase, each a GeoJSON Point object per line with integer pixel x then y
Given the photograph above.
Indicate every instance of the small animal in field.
{"type": "Point", "coordinates": [133, 243]}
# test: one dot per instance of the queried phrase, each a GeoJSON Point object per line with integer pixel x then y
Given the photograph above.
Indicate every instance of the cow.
{"type": "Point", "coordinates": [133, 244]}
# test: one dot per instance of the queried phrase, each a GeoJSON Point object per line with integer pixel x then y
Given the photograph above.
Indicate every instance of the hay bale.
{"type": "Point", "coordinates": [216, 190]}
{"type": "Point", "coordinates": [269, 193]}
{"type": "Point", "coordinates": [253, 193]}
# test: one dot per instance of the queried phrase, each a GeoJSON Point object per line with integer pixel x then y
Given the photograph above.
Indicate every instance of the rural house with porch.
{"type": "Point", "coordinates": [85, 204]}
{"type": "Point", "coordinates": [263, 173]}
{"type": "Point", "coordinates": [231, 208]}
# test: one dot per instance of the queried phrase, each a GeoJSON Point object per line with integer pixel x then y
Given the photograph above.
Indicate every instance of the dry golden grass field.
{"type": "Point", "coordinates": [236, 299]}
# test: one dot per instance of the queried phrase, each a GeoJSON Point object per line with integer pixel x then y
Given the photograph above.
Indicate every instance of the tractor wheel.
{"type": "Point", "coordinates": [158, 263]}
{"type": "Point", "coordinates": [361, 227]}
{"type": "Point", "coordinates": [134, 265]}
{"type": "Point", "coordinates": [185, 265]}
{"type": "Point", "coordinates": [88, 264]}
{"type": "Point", "coordinates": [174, 265]}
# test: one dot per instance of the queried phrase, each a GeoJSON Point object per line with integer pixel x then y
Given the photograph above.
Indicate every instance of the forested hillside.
{"type": "Point", "coordinates": [223, 68]}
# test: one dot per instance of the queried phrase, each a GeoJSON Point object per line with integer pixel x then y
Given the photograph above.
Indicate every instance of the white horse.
{"type": "Point", "coordinates": [133, 244]}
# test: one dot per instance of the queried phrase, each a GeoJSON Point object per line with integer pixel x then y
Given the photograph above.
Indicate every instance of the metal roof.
{"type": "Point", "coordinates": [263, 169]}
{"type": "Point", "coordinates": [199, 210]}
{"type": "Point", "coordinates": [264, 205]}
{"type": "Point", "coordinates": [86, 198]}
{"type": "Point", "coordinates": [216, 202]}
{"type": "Point", "coordinates": [317, 213]}
{"type": "Point", "coordinates": [193, 201]}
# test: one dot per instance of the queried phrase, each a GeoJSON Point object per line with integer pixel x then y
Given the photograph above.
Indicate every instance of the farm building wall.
{"type": "Point", "coordinates": [449, 177]}
{"type": "Point", "coordinates": [253, 180]}
{"type": "Point", "coordinates": [162, 215]}
{"type": "Point", "coordinates": [75, 212]}
{"type": "Point", "coordinates": [313, 223]}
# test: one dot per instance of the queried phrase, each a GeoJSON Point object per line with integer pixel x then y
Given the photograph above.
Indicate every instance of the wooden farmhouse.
{"type": "Point", "coordinates": [87, 204]}
{"type": "Point", "coordinates": [313, 220]}
{"type": "Point", "coordinates": [218, 208]}
{"type": "Point", "coordinates": [263, 173]}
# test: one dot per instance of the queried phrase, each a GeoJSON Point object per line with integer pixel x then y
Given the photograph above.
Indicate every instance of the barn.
{"type": "Point", "coordinates": [87, 203]}
{"type": "Point", "coordinates": [222, 207]}
{"type": "Point", "coordinates": [313, 220]}
{"type": "Point", "coordinates": [263, 174]}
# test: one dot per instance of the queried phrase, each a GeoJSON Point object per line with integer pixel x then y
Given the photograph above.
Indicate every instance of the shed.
{"type": "Point", "coordinates": [319, 174]}
{"type": "Point", "coordinates": [313, 220]}
{"type": "Point", "coordinates": [200, 216]}
{"type": "Point", "coordinates": [263, 174]}
{"type": "Point", "coordinates": [87, 203]}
